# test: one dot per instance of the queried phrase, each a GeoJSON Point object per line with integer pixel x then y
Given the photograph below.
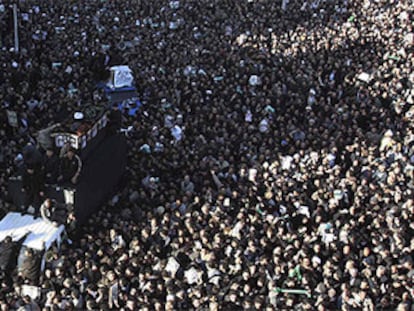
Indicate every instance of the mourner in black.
{"type": "Point", "coordinates": [50, 166]}
{"type": "Point", "coordinates": [114, 120]}
{"type": "Point", "coordinates": [30, 267]}
{"type": "Point", "coordinates": [9, 250]}
{"type": "Point", "coordinates": [70, 167]}
{"type": "Point", "coordinates": [33, 183]}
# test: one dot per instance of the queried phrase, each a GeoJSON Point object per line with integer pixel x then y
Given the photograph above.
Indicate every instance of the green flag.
{"type": "Point", "coordinates": [394, 57]}
{"type": "Point", "coordinates": [351, 18]}
{"type": "Point", "coordinates": [296, 273]}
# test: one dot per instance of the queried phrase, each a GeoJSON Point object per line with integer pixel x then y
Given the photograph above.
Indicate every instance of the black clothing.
{"type": "Point", "coordinates": [33, 184]}
{"type": "Point", "coordinates": [30, 267]}
{"type": "Point", "coordinates": [50, 168]}
{"type": "Point", "coordinates": [114, 121]}
{"type": "Point", "coordinates": [8, 254]}
{"type": "Point", "coordinates": [56, 212]}
{"type": "Point", "coordinates": [69, 167]}
{"type": "Point", "coordinates": [32, 157]}
{"type": "Point", "coordinates": [230, 306]}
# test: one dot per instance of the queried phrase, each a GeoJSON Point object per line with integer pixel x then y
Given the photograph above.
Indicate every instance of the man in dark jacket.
{"type": "Point", "coordinates": [33, 184]}
{"type": "Point", "coordinates": [70, 167]}
{"type": "Point", "coordinates": [50, 166]}
{"type": "Point", "coordinates": [9, 250]}
{"type": "Point", "coordinates": [114, 121]}
{"type": "Point", "coordinates": [29, 270]}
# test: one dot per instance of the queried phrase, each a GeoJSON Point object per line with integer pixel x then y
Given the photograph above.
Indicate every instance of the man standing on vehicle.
{"type": "Point", "coordinates": [33, 184]}
{"type": "Point", "coordinates": [52, 213]}
{"type": "Point", "coordinates": [70, 166]}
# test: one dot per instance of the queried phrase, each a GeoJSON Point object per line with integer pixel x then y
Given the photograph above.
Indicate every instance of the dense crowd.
{"type": "Point", "coordinates": [270, 168]}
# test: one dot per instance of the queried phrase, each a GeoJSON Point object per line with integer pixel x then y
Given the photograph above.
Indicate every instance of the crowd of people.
{"type": "Point", "coordinates": [270, 167]}
{"type": "Point", "coordinates": [39, 170]}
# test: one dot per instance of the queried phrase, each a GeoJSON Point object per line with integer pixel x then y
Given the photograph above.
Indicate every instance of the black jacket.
{"type": "Point", "coordinates": [51, 168]}
{"type": "Point", "coordinates": [8, 254]}
{"type": "Point", "coordinates": [33, 183]}
{"type": "Point", "coordinates": [30, 267]}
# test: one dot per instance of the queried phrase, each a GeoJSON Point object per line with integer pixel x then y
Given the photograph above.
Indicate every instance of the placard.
{"type": "Point", "coordinates": [62, 138]}
{"type": "Point", "coordinates": [12, 118]}
{"type": "Point", "coordinates": [122, 76]}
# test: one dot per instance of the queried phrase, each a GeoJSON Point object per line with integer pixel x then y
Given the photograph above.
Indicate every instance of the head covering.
{"type": "Point", "coordinates": [78, 115]}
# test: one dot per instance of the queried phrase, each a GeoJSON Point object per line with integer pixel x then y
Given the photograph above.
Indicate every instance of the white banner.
{"type": "Point", "coordinates": [62, 138]}
{"type": "Point", "coordinates": [122, 76]}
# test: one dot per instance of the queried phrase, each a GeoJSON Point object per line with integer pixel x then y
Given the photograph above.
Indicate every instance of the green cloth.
{"type": "Point", "coordinates": [270, 109]}
{"type": "Point", "coordinates": [259, 210]}
{"type": "Point", "coordinates": [351, 18]}
{"type": "Point", "coordinates": [293, 291]}
{"type": "Point", "coordinates": [393, 57]}
{"type": "Point", "coordinates": [296, 273]}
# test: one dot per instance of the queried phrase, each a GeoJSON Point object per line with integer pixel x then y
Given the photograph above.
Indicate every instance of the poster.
{"type": "Point", "coordinates": [122, 76]}
{"type": "Point", "coordinates": [62, 138]}
{"type": "Point", "coordinates": [12, 118]}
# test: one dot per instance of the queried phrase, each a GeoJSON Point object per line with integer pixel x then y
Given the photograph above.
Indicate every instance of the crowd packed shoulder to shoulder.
{"type": "Point", "coordinates": [271, 165]}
